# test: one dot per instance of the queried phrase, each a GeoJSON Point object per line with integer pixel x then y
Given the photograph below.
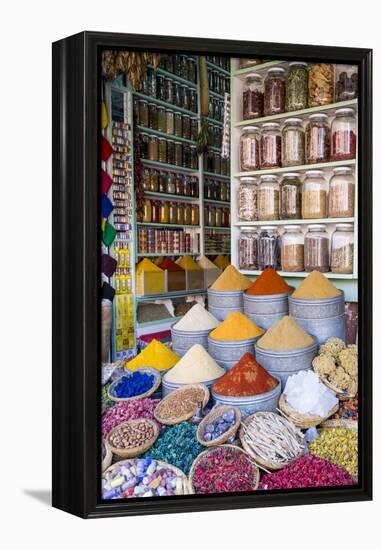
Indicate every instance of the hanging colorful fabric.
{"type": "Point", "coordinates": [109, 234]}
{"type": "Point", "coordinates": [106, 182]}
{"type": "Point", "coordinates": [108, 265]}
{"type": "Point", "coordinates": [104, 116]}
{"type": "Point", "coordinates": [106, 149]}
{"type": "Point", "coordinates": [108, 292]}
{"type": "Point", "coordinates": [106, 206]}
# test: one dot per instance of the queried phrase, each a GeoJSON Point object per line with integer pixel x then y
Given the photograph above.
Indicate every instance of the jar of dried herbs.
{"type": "Point", "coordinates": [297, 86]}
{"type": "Point", "coordinates": [143, 112]}
{"type": "Point", "coordinates": [292, 249]}
{"type": "Point", "coordinates": [293, 142]}
{"type": "Point", "coordinates": [270, 146]}
{"type": "Point", "coordinates": [247, 199]}
{"type": "Point", "coordinates": [268, 248]}
{"type": "Point", "coordinates": [268, 198]}
{"type": "Point", "coordinates": [171, 152]}
{"type": "Point", "coordinates": [341, 196]}
{"type": "Point", "coordinates": [186, 127]}
{"type": "Point", "coordinates": [178, 125]}
{"type": "Point", "coordinates": [152, 115]}
{"type": "Point", "coordinates": [318, 139]}
{"type": "Point", "coordinates": [316, 248]}
{"type": "Point", "coordinates": [153, 149]}
{"type": "Point", "coordinates": [275, 92]}
{"type": "Point", "coordinates": [248, 249]}
{"type": "Point", "coordinates": [314, 195]}
{"type": "Point", "coordinates": [290, 197]}
{"type": "Point", "coordinates": [161, 119]}
{"type": "Point", "coordinates": [252, 97]}
{"type": "Point", "coordinates": [249, 148]}
{"type": "Point", "coordinates": [346, 82]}
{"type": "Point", "coordinates": [320, 84]}
{"type": "Point", "coordinates": [169, 121]}
{"type": "Point", "coordinates": [342, 249]}
{"type": "Point", "coordinates": [162, 150]}
{"type": "Point", "coordinates": [343, 135]}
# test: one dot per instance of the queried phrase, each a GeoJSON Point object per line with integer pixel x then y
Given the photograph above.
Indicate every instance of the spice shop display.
{"type": "Point", "coordinates": [339, 446]}
{"type": "Point", "coordinates": [316, 249]}
{"type": "Point", "coordinates": [297, 86]}
{"type": "Point", "coordinates": [270, 146]}
{"type": "Point", "coordinates": [248, 249]}
{"type": "Point", "coordinates": [140, 383]}
{"type": "Point", "coordinates": [290, 198]}
{"type": "Point", "coordinates": [321, 81]}
{"type": "Point", "coordinates": [269, 247]}
{"type": "Point", "coordinates": [342, 249]}
{"type": "Point", "coordinates": [275, 92]}
{"type": "Point", "coordinates": [219, 426]}
{"type": "Point", "coordinates": [337, 366]}
{"type": "Point", "coordinates": [253, 94]}
{"type": "Point", "coordinates": [268, 198]}
{"type": "Point", "coordinates": [268, 282]}
{"type": "Point", "coordinates": [293, 146]}
{"type": "Point", "coordinates": [236, 326]}
{"type": "Point", "coordinates": [155, 355]}
{"type": "Point", "coordinates": [314, 195]}
{"type": "Point", "coordinates": [343, 135]}
{"type": "Point", "coordinates": [182, 404]}
{"type": "Point", "coordinates": [318, 139]}
{"type": "Point", "coordinates": [316, 287]}
{"type": "Point", "coordinates": [247, 199]}
{"type": "Point", "coordinates": [341, 198]}
{"type": "Point", "coordinates": [231, 280]}
{"type": "Point", "coordinates": [132, 438]}
{"type": "Point", "coordinates": [285, 335]}
{"type": "Point", "coordinates": [292, 249]}
{"type": "Point", "coordinates": [195, 367]}
{"type": "Point", "coordinates": [249, 148]}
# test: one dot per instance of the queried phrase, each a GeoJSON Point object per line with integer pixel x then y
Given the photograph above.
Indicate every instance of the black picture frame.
{"type": "Point", "coordinates": [76, 269]}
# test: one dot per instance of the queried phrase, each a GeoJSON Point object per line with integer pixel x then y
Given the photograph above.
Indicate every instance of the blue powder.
{"type": "Point", "coordinates": [135, 384]}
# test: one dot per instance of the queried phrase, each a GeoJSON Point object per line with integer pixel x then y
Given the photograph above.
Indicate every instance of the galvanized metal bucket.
{"type": "Point", "coordinates": [227, 352]}
{"type": "Point", "coordinates": [265, 310]}
{"type": "Point", "coordinates": [320, 318]}
{"type": "Point", "coordinates": [221, 303]}
{"type": "Point", "coordinates": [169, 387]}
{"type": "Point", "coordinates": [183, 340]}
{"type": "Point", "coordinates": [283, 363]}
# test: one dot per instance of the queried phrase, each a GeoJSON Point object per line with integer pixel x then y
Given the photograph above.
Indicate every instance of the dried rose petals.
{"type": "Point", "coordinates": [128, 410]}
{"type": "Point", "coordinates": [307, 471]}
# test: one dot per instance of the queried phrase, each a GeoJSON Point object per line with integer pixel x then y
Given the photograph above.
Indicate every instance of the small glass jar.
{"type": "Point", "coordinates": [275, 92]}
{"type": "Point", "coordinates": [178, 125]}
{"type": "Point", "coordinates": [178, 153]}
{"type": "Point", "coordinates": [342, 249]}
{"type": "Point", "coordinates": [194, 128]}
{"type": "Point", "coordinates": [268, 248]}
{"type": "Point", "coordinates": [192, 69]}
{"type": "Point", "coordinates": [218, 217]}
{"type": "Point", "coordinates": [252, 100]}
{"type": "Point", "coordinates": [160, 87]}
{"type": "Point", "coordinates": [320, 84]}
{"type": "Point", "coordinates": [186, 127]}
{"type": "Point", "coordinates": [225, 217]}
{"type": "Point", "coordinates": [268, 198]}
{"type": "Point", "coordinates": [316, 248]}
{"type": "Point", "coordinates": [195, 186]}
{"type": "Point", "coordinates": [193, 157]}
{"type": "Point", "coordinates": [248, 249]}
{"type": "Point", "coordinates": [155, 211]}
{"type": "Point", "coordinates": [346, 82]}
{"type": "Point", "coordinates": [171, 185]}
{"type": "Point", "coordinates": [187, 156]}
{"type": "Point", "coordinates": [151, 78]}
{"type": "Point", "coordinates": [169, 63]}
{"type": "Point", "coordinates": [161, 119]}
{"type": "Point", "coordinates": [144, 146]}
{"type": "Point", "coordinates": [270, 146]}
{"type": "Point", "coordinates": [318, 139]}
{"type": "Point", "coordinates": [153, 149]}
{"type": "Point", "coordinates": [147, 179]}
{"type": "Point", "coordinates": [217, 163]}
{"type": "Point", "coordinates": [292, 249]}
{"type": "Point", "coordinates": [187, 214]}
{"type": "Point", "coordinates": [297, 86]}
{"type": "Point", "coordinates": [194, 215]}
{"type": "Point", "coordinates": [171, 152]}
{"type": "Point", "coordinates": [152, 116]}
{"type": "Point", "coordinates": [169, 121]}
{"type": "Point", "coordinates": [169, 92]}
{"type": "Point", "coordinates": [164, 212]}
{"type": "Point", "coordinates": [176, 94]}
{"type": "Point", "coordinates": [341, 197]}
{"type": "Point", "coordinates": [147, 211]}
{"type": "Point", "coordinates": [223, 191]}
{"type": "Point", "coordinates": [211, 216]}
{"type": "Point", "coordinates": [162, 150]}
{"type": "Point", "coordinates": [187, 191]}
{"type": "Point", "coordinates": [249, 148]}
{"type": "Point", "coordinates": [185, 97]}
{"type": "Point", "coordinates": [343, 135]}
{"type": "Point", "coordinates": [314, 195]}
{"type": "Point", "coordinates": [224, 166]}
{"type": "Point", "coordinates": [293, 142]}
{"type": "Point", "coordinates": [247, 199]}
{"type": "Point", "coordinates": [172, 212]}
{"type": "Point", "coordinates": [290, 197]}
{"type": "Point", "coordinates": [154, 181]}
{"type": "Point", "coordinates": [143, 112]}
{"type": "Point", "coordinates": [162, 182]}
{"type": "Point", "coordinates": [192, 100]}
{"type": "Point", "coordinates": [179, 184]}
{"type": "Point", "coordinates": [180, 213]}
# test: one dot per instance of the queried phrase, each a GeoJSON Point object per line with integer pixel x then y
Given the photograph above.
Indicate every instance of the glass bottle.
{"type": "Point", "coordinates": [320, 84]}
{"type": "Point", "coordinates": [293, 142]}
{"type": "Point", "coordinates": [342, 249]}
{"type": "Point", "coordinates": [314, 195]}
{"type": "Point", "coordinates": [316, 248]}
{"type": "Point", "coordinates": [268, 198]}
{"type": "Point", "coordinates": [297, 86]}
{"type": "Point", "coordinates": [247, 199]}
{"type": "Point", "coordinates": [318, 139]}
{"type": "Point", "coordinates": [275, 92]}
{"type": "Point", "coordinates": [270, 146]}
{"type": "Point", "coordinates": [292, 249]}
{"type": "Point", "coordinates": [343, 135]}
{"type": "Point", "coordinates": [268, 248]}
{"type": "Point", "coordinates": [252, 100]}
{"type": "Point", "coordinates": [341, 196]}
{"type": "Point", "coordinates": [290, 197]}
{"type": "Point", "coordinates": [249, 148]}
{"type": "Point", "coordinates": [248, 249]}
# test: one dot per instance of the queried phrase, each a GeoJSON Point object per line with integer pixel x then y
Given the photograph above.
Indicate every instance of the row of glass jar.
{"type": "Point", "coordinates": [165, 120]}
{"type": "Point", "coordinates": [170, 91]}
{"type": "Point", "coordinates": [179, 213]}
{"type": "Point", "coordinates": [216, 190]}
{"type": "Point", "coordinates": [169, 152]}
{"type": "Point", "coordinates": [216, 108]}
{"type": "Point", "coordinates": [315, 198]}
{"type": "Point", "coordinates": [180, 65]}
{"type": "Point", "coordinates": [218, 82]}
{"type": "Point", "coordinates": [295, 252]}
{"type": "Point", "coordinates": [294, 146]}
{"type": "Point", "coordinates": [304, 86]}
{"type": "Point", "coordinates": [215, 216]}
{"type": "Point", "coordinates": [167, 241]}
{"type": "Point", "coordinates": [221, 61]}
{"type": "Point", "coordinates": [216, 164]}
{"type": "Point", "coordinates": [215, 135]}
{"type": "Point", "coordinates": [168, 182]}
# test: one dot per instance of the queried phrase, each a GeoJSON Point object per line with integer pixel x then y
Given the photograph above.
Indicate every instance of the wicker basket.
{"type": "Point", "coordinates": [303, 420]}
{"type": "Point", "coordinates": [341, 394]}
{"type": "Point", "coordinates": [340, 423]}
{"type": "Point", "coordinates": [108, 458]}
{"type": "Point", "coordinates": [211, 450]}
{"type": "Point", "coordinates": [132, 452]}
{"type": "Point", "coordinates": [147, 370]}
{"type": "Point", "coordinates": [176, 395]}
{"type": "Point", "coordinates": [177, 471]}
{"type": "Point", "coordinates": [257, 458]}
{"type": "Point", "coordinates": [213, 415]}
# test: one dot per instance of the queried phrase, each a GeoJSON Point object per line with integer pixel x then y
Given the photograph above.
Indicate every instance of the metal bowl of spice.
{"type": "Point", "coordinates": [181, 404]}
{"type": "Point", "coordinates": [133, 438]}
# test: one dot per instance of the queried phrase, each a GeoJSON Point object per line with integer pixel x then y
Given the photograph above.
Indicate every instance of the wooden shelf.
{"type": "Point", "coordinates": [302, 168]}
{"type": "Point", "coordinates": [294, 222]}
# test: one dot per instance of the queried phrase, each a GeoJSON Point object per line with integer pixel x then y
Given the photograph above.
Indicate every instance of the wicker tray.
{"type": "Point", "coordinates": [108, 458]}
{"type": "Point", "coordinates": [303, 420]}
{"type": "Point", "coordinates": [132, 452]}
{"type": "Point", "coordinates": [174, 395]}
{"type": "Point", "coordinates": [211, 450]}
{"type": "Point", "coordinates": [216, 413]}
{"type": "Point", "coordinates": [147, 370]}
{"type": "Point", "coordinates": [341, 394]}
{"type": "Point", "coordinates": [340, 423]}
{"type": "Point", "coordinates": [257, 458]}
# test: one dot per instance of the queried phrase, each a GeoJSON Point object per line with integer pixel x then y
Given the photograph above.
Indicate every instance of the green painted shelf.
{"type": "Point", "coordinates": [218, 203]}
{"type": "Point", "coordinates": [256, 68]}
{"type": "Point", "coordinates": [302, 168]}
{"type": "Point", "coordinates": [167, 225]}
{"type": "Point", "coordinates": [179, 294]}
{"type": "Point", "coordinates": [210, 228]}
{"type": "Point", "coordinates": [178, 198]}
{"type": "Point", "coordinates": [171, 106]}
{"type": "Point", "coordinates": [172, 137]}
{"type": "Point", "coordinates": [158, 255]}
{"type": "Point", "coordinates": [176, 77]}
{"type": "Point", "coordinates": [217, 68]}
{"type": "Point", "coordinates": [158, 322]}
{"type": "Point", "coordinates": [216, 176]}
{"type": "Point", "coordinates": [294, 222]}
{"type": "Point", "coordinates": [214, 121]}
{"type": "Point", "coordinates": [172, 167]}
{"type": "Point", "coordinates": [301, 274]}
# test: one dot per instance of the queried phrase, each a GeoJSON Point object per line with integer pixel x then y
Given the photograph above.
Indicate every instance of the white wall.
{"type": "Point", "coordinates": [28, 28]}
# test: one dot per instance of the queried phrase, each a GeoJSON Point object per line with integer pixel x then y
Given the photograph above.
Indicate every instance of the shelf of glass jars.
{"type": "Point", "coordinates": [167, 225]}
{"type": "Point", "coordinates": [217, 176]}
{"type": "Point", "coordinates": [215, 228]}
{"type": "Point", "coordinates": [171, 106]}
{"type": "Point", "coordinates": [217, 68]}
{"type": "Point", "coordinates": [217, 95]}
{"type": "Point", "coordinates": [301, 168]}
{"type": "Point", "coordinates": [214, 121]}
{"type": "Point", "coordinates": [300, 274]}
{"type": "Point", "coordinates": [171, 167]}
{"type": "Point", "coordinates": [174, 76]}
{"type": "Point", "coordinates": [167, 254]}
{"type": "Point", "coordinates": [302, 113]}
{"type": "Point", "coordinates": [294, 222]}
{"type": "Point", "coordinates": [256, 68]}
{"type": "Point", "coordinates": [217, 203]}
{"type": "Point", "coordinates": [177, 198]}
{"type": "Point", "coordinates": [178, 294]}
{"type": "Point", "coordinates": [157, 133]}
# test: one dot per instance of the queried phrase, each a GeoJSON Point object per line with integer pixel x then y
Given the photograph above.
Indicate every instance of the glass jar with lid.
{"type": "Point", "coordinates": [268, 198]}
{"type": "Point", "coordinates": [292, 249]}
{"type": "Point", "coordinates": [152, 115]}
{"type": "Point", "coordinates": [252, 104]}
{"type": "Point", "coordinates": [316, 248]}
{"type": "Point", "coordinates": [162, 182]}
{"type": "Point", "coordinates": [153, 149]}
{"type": "Point", "coordinates": [346, 82]}
{"type": "Point", "coordinates": [297, 86]}
{"type": "Point", "coordinates": [171, 152]}
{"type": "Point", "coordinates": [177, 94]}
{"type": "Point", "coordinates": [186, 128]}
{"type": "Point", "coordinates": [161, 119]}
{"type": "Point", "coordinates": [180, 213]}
{"type": "Point", "coordinates": [162, 150]}
{"type": "Point", "coordinates": [224, 166]}
{"type": "Point", "coordinates": [275, 92]}
{"type": "Point", "coordinates": [194, 215]}
{"type": "Point", "coordinates": [169, 122]}
{"type": "Point", "coordinates": [164, 212]}
{"type": "Point", "coordinates": [342, 249]}
{"type": "Point", "coordinates": [211, 216]}
{"type": "Point", "coordinates": [147, 211]}
{"type": "Point", "coordinates": [217, 163]}
{"type": "Point", "coordinates": [225, 217]}
{"type": "Point", "coordinates": [154, 181]}
{"type": "Point", "coordinates": [268, 247]}
{"type": "Point", "coordinates": [341, 196]}
{"type": "Point", "coordinates": [187, 156]}
{"type": "Point", "coordinates": [147, 179]}
{"type": "Point", "coordinates": [178, 153]}
{"type": "Point", "coordinates": [155, 211]}
{"type": "Point", "coordinates": [185, 97]}
{"type": "Point", "coordinates": [171, 186]}
{"type": "Point", "coordinates": [223, 191]}
{"type": "Point", "coordinates": [248, 249]}
{"type": "Point", "coordinates": [247, 199]}
{"type": "Point", "coordinates": [320, 84]}
{"type": "Point", "coordinates": [172, 212]}
{"type": "Point", "coordinates": [270, 146]}
{"type": "Point", "coordinates": [290, 197]}
{"type": "Point", "coordinates": [293, 142]}
{"type": "Point", "coordinates": [169, 91]}
{"type": "Point", "coordinates": [179, 183]}
{"type": "Point", "coordinates": [218, 217]}
{"type": "Point", "coordinates": [187, 214]}
{"type": "Point", "coordinates": [144, 146]}
{"type": "Point", "coordinates": [143, 112]}
{"type": "Point", "coordinates": [178, 125]}
{"type": "Point", "coordinates": [192, 100]}
{"type": "Point", "coordinates": [314, 195]}
{"type": "Point", "coordinates": [249, 148]}
{"type": "Point", "coordinates": [160, 87]}
{"type": "Point", "coordinates": [343, 135]}
{"type": "Point", "coordinates": [194, 128]}
{"type": "Point", "coordinates": [193, 157]}
{"type": "Point", "coordinates": [318, 139]}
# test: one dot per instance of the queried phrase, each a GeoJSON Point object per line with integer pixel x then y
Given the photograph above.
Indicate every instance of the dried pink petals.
{"type": "Point", "coordinates": [128, 410]}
